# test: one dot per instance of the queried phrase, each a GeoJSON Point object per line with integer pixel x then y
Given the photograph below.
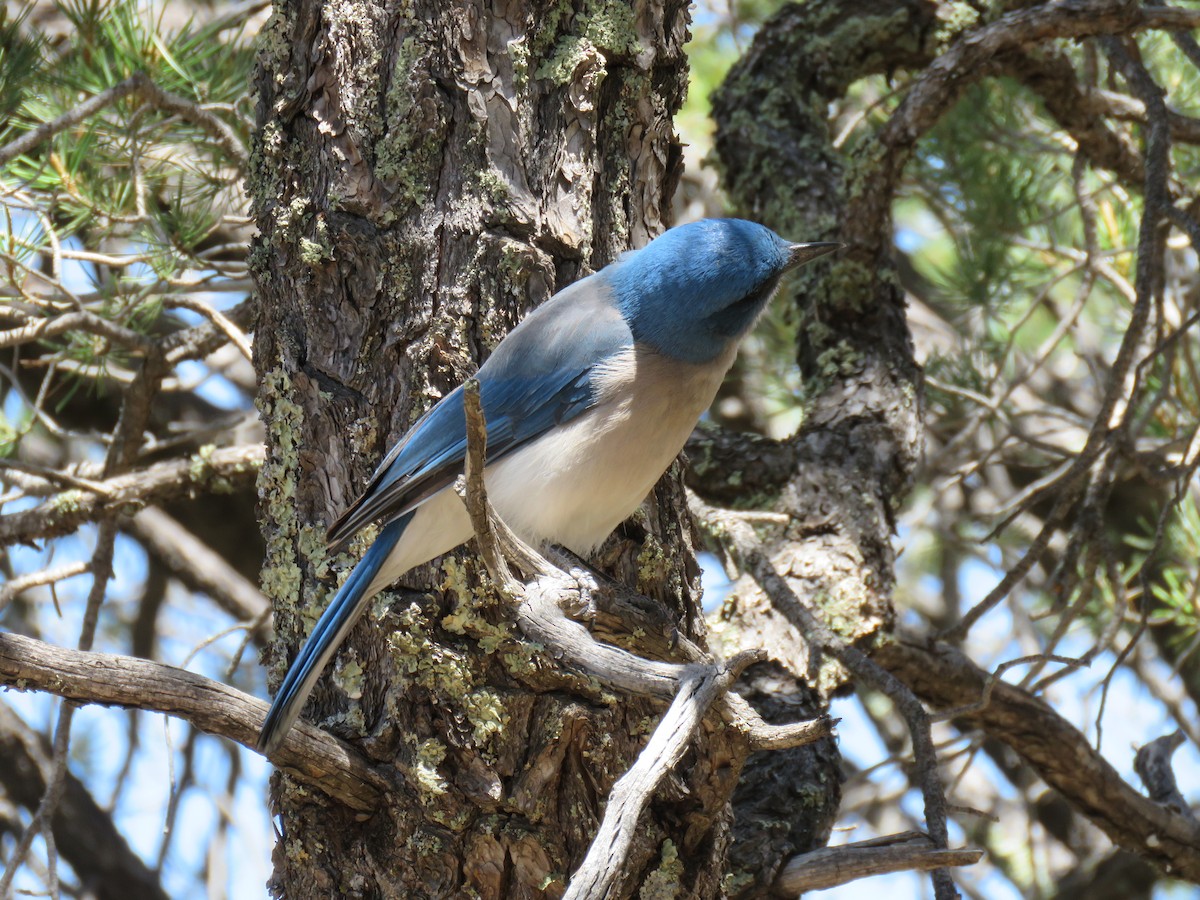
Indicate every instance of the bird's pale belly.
{"type": "Point", "coordinates": [574, 485]}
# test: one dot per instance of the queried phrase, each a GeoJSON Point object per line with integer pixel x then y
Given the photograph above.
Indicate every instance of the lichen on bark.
{"type": "Point", "coordinates": [423, 176]}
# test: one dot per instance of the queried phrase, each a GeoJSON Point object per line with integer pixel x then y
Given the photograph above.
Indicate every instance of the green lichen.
{"type": "Point", "coordinates": [424, 843]}
{"type": "Point", "coordinates": [664, 882]}
{"type": "Point", "coordinates": [465, 619]}
{"type": "Point", "coordinates": [316, 251]}
{"type": "Point", "coordinates": [408, 151]}
{"type": "Point", "coordinates": [840, 49]}
{"type": "Point", "coordinates": [201, 463]}
{"type": "Point", "coordinates": [494, 187]}
{"type": "Point", "coordinates": [652, 564]}
{"type": "Point", "coordinates": [67, 502]}
{"type": "Point", "coordinates": [284, 418]}
{"type": "Point", "coordinates": [350, 17]}
{"type": "Point", "coordinates": [602, 30]}
{"type": "Point", "coordinates": [202, 474]}
{"type": "Point", "coordinates": [486, 713]}
{"type": "Point", "coordinates": [348, 676]}
{"type": "Point", "coordinates": [430, 754]}
{"type": "Point", "coordinates": [423, 661]}
{"type": "Point", "coordinates": [570, 53]}
{"type": "Point", "coordinates": [518, 52]}
{"type": "Point", "coordinates": [954, 19]}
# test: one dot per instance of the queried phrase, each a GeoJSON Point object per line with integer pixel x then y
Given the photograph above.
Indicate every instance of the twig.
{"type": "Point", "coordinates": [963, 62]}
{"type": "Point", "coordinates": [86, 834]}
{"type": "Point", "coordinates": [28, 141]}
{"type": "Point", "coordinates": [540, 615]}
{"type": "Point", "coordinates": [22, 583]}
{"type": "Point", "coordinates": [1055, 749]}
{"type": "Point", "coordinates": [190, 112]}
{"type": "Point", "coordinates": [141, 85]}
{"type": "Point", "coordinates": [101, 566]}
{"type": "Point", "coordinates": [44, 329]}
{"type": "Point", "coordinates": [229, 328]}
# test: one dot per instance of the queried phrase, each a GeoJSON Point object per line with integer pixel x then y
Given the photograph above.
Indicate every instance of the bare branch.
{"type": "Point", "coordinates": [1057, 751]}
{"type": "Point", "coordinates": [831, 866]}
{"type": "Point", "coordinates": [44, 329]}
{"type": "Point", "coordinates": [541, 618]}
{"type": "Point", "coordinates": [226, 326]}
{"type": "Point", "coordinates": [211, 125]}
{"type": "Point", "coordinates": [309, 753]}
{"type": "Point", "coordinates": [224, 468]}
{"type": "Point", "coordinates": [598, 875]}
{"type": "Point", "coordinates": [17, 586]}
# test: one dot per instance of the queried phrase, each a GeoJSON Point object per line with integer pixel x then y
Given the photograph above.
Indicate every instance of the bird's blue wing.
{"type": "Point", "coordinates": [541, 376]}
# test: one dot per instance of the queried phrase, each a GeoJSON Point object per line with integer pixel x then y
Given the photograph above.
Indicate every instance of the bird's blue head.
{"type": "Point", "coordinates": [697, 288]}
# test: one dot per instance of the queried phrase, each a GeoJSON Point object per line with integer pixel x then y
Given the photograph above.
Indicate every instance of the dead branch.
{"type": "Point", "coordinates": [935, 89]}
{"type": "Point", "coordinates": [309, 753]}
{"type": "Point", "coordinates": [831, 866]}
{"type": "Point", "coordinates": [601, 870]}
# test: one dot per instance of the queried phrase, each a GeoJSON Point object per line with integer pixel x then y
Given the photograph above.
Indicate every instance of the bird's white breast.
{"type": "Point", "coordinates": [574, 485]}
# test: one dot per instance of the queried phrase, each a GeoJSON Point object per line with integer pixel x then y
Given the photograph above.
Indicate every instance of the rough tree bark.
{"type": "Point", "coordinates": [424, 175]}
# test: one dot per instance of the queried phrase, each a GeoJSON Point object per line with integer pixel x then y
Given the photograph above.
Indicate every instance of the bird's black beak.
{"type": "Point", "coordinates": [799, 254]}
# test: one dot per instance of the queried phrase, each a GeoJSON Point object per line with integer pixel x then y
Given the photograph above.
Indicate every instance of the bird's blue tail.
{"type": "Point", "coordinates": [333, 626]}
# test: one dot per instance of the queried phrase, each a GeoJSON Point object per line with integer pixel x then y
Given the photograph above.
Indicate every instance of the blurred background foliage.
{"type": "Point", "coordinates": [1017, 256]}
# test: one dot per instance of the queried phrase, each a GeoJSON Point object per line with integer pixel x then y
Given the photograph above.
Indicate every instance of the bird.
{"type": "Point", "coordinates": [586, 402]}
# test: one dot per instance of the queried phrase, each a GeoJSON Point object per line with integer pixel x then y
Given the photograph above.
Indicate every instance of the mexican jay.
{"type": "Point", "coordinates": [587, 402]}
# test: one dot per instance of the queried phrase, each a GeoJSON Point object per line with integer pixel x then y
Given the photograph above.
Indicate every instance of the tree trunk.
{"type": "Point", "coordinates": [423, 176]}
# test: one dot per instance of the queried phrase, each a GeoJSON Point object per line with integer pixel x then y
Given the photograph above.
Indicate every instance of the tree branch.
{"type": "Point", "coordinates": [1058, 752]}
{"type": "Point", "coordinates": [83, 830]}
{"type": "Point", "coordinates": [225, 468]}
{"type": "Point", "coordinates": [141, 85]}
{"type": "Point", "coordinates": [831, 866]}
{"type": "Point", "coordinates": [605, 863]}
{"type": "Point", "coordinates": [309, 753]}
{"type": "Point", "coordinates": [201, 569]}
